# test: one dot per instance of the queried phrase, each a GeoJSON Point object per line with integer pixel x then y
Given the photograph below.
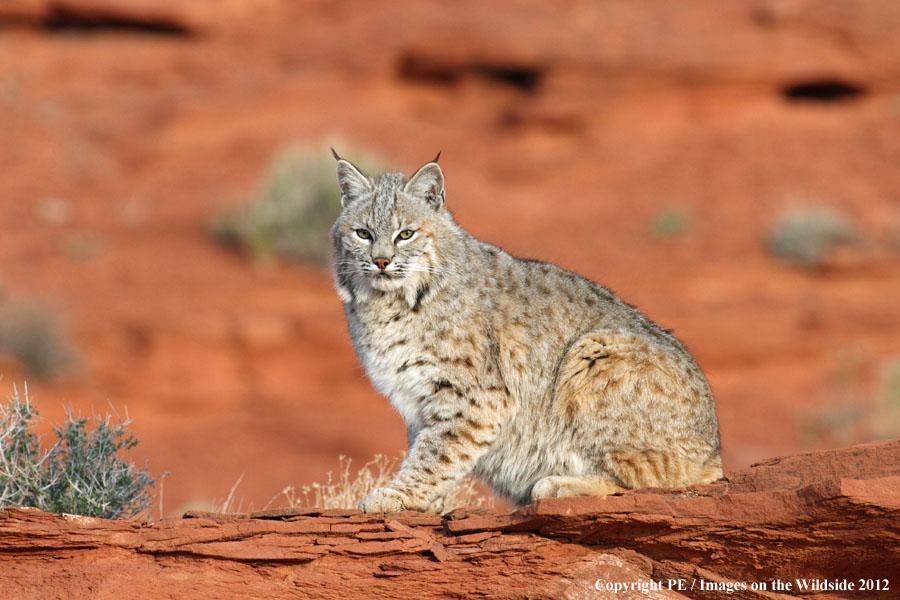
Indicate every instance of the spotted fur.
{"type": "Point", "coordinates": [539, 381]}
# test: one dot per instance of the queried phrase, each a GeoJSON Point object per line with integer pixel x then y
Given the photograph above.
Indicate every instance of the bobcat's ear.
{"type": "Point", "coordinates": [427, 183]}
{"type": "Point", "coordinates": [351, 180]}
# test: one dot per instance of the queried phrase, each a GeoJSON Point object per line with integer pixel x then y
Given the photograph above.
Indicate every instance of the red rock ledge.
{"type": "Point", "coordinates": [830, 518]}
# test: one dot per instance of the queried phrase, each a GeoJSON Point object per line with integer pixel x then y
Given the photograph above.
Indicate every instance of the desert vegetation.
{"type": "Point", "coordinates": [857, 406]}
{"type": "Point", "coordinates": [670, 222]}
{"type": "Point", "coordinates": [293, 211]}
{"type": "Point", "coordinates": [81, 473]}
{"type": "Point", "coordinates": [807, 236]}
{"type": "Point", "coordinates": [644, 148]}
{"type": "Point", "coordinates": [33, 335]}
{"type": "Point", "coordinates": [348, 487]}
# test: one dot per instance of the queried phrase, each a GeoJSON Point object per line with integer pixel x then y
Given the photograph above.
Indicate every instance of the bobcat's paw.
{"type": "Point", "coordinates": [436, 506]}
{"type": "Point", "coordinates": [384, 499]}
{"type": "Point", "coordinates": [562, 486]}
{"type": "Point", "coordinates": [550, 487]}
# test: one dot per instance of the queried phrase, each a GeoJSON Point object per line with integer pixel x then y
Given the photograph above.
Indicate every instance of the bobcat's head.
{"type": "Point", "coordinates": [386, 238]}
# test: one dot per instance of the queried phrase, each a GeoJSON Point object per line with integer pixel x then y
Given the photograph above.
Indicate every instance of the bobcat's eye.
{"type": "Point", "coordinates": [405, 234]}
{"type": "Point", "coordinates": [364, 234]}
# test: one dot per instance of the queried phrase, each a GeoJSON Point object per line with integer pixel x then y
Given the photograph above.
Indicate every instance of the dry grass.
{"type": "Point", "coordinates": [231, 503]}
{"type": "Point", "coordinates": [348, 488]}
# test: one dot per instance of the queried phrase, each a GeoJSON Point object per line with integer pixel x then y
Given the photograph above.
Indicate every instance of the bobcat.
{"type": "Point", "coordinates": [542, 383]}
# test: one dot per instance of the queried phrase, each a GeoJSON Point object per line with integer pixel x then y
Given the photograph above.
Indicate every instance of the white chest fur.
{"type": "Point", "coordinates": [394, 367]}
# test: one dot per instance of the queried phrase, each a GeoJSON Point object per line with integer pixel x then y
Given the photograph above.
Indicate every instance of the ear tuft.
{"type": "Point", "coordinates": [334, 154]}
{"type": "Point", "coordinates": [351, 181]}
{"type": "Point", "coordinates": [427, 183]}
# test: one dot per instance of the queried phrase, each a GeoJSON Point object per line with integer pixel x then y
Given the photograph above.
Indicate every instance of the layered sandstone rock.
{"type": "Point", "coordinates": [826, 518]}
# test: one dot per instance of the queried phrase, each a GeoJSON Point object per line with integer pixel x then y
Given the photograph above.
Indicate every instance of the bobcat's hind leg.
{"type": "Point", "coordinates": [633, 470]}
{"type": "Point", "coordinates": [646, 405]}
{"type": "Point", "coordinates": [712, 470]}
{"type": "Point", "coordinates": [654, 468]}
{"type": "Point", "coordinates": [560, 486]}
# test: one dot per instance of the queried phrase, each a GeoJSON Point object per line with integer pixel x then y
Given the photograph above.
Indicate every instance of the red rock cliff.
{"type": "Point", "coordinates": [827, 518]}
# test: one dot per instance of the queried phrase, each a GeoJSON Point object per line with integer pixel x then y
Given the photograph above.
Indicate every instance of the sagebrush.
{"type": "Point", "coordinates": [33, 335]}
{"type": "Point", "coordinates": [293, 212]}
{"type": "Point", "coordinates": [81, 473]}
{"type": "Point", "coordinates": [806, 236]}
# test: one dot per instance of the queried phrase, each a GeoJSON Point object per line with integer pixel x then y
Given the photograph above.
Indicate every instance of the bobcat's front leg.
{"type": "Point", "coordinates": [455, 433]}
{"type": "Point", "coordinates": [439, 457]}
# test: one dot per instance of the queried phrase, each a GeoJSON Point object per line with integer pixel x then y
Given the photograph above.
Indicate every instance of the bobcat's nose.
{"type": "Point", "coordinates": [381, 263]}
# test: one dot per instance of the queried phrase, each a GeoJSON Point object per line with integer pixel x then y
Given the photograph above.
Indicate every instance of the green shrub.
{"type": "Point", "coordinates": [293, 213]}
{"type": "Point", "coordinates": [81, 473]}
{"type": "Point", "coordinates": [806, 236]}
